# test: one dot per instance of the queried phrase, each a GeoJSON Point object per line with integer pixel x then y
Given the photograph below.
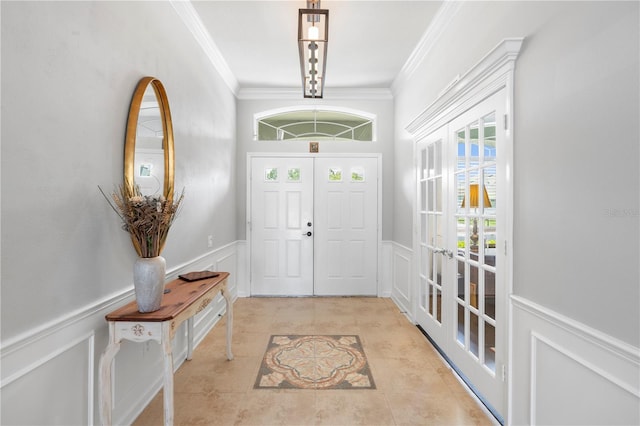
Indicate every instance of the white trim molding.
{"type": "Point", "coordinates": [489, 75]}
{"type": "Point", "coordinates": [63, 353]}
{"type": "Point", "coordinates": [438, 25]}
{"type": "Point", "coordinates": [567, 372]}
{"type": "Point", "coordinates": [288, 93]}
{"type": "Point", "coordinates": [192, 21]}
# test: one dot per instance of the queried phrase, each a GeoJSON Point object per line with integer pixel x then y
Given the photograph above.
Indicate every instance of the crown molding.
{"type": "Point", "coordinates": [329, 94]}
{"type": "Point", "coordinates": [438, 25]}
{"type": "Point", "coordinates": [192, 21]}
{"type": "Point", "coordinates": [493, 72]}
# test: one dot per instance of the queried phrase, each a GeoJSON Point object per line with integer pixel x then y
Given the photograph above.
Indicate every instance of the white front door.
{"type": "Point", "coordinates": [346, 222]}
{"type": "Point", "coordinates": [281, 211]}
{"type": "Point", "coordinates": [461, 222]}
{"type": "Point", "coordinates": [314, 226]}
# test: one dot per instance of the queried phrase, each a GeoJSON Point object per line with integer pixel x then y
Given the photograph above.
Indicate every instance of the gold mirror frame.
{"type": "Point", "coordinates": [167, 138]}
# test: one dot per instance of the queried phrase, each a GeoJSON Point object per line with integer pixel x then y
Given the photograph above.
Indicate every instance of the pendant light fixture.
{"type": "Point", "coordinates": [313, 37]}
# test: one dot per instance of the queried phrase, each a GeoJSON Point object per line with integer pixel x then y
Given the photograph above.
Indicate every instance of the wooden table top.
{"type": "Point", "coordinates": [180, 296]}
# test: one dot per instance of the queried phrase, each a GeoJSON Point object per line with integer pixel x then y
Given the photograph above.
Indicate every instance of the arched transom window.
{"type": "Point", "coordinates": [304, 124]}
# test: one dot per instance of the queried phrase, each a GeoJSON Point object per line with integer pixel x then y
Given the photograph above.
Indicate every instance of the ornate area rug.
{"type": "Point", "coordinates": [314, 362]}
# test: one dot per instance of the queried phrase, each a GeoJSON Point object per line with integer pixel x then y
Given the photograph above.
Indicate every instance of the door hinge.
{"type": "Point", "coordinates": [505, 247]}
{"type": "Point", "coordinates": [504, 373]}
{"type": "Point", "coordinates": [506, 122]}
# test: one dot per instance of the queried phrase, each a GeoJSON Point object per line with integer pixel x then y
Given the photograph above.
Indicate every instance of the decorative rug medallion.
{"type": "Point", "coordinates": [314, 362]}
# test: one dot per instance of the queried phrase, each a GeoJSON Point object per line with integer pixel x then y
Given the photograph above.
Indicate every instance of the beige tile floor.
{"type": "Point", "coordinates": [413, 385]}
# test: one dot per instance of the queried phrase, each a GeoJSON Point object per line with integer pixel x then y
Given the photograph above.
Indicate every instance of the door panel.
{"type": "Point", "coordinates": [431, 222]}
{"type": "Point", "coordinates": [281, 208]}
{"type": "Point", "coordinates": [460, 221]}
{"type": "Point", "coordinates": [346, 242]}
{"type": "Point", "coordinates": [478, 329]}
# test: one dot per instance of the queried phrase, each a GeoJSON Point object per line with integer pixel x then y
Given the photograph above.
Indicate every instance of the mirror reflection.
{"type": "Point", "coordinates": [148, 148]}
{"type": "Point", "coordinates": [149, 153]}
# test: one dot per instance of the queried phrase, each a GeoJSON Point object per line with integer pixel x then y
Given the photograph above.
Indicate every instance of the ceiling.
{"type": "Point", "coordinates": [369, 41]}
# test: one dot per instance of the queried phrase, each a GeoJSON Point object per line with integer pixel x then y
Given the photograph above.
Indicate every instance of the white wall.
{"type": "Point", "coordinates": [576, 179]}
{"type": "Point", "coordinates": [382, 107]}
{"type": "Point", "coordinates": [576, 149]}
{"type": "Point", "coordinates": [69, 70]}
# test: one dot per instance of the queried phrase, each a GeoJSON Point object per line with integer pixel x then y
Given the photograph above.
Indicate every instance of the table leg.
{"type": "Point", "coordinates": [105, 385]}
{"type": "Point", "coordinates": [168, 373]}
{"type": "Point", "coordinates": [229, 312]}
{"type": "Point", "coordinates": [189, 339]}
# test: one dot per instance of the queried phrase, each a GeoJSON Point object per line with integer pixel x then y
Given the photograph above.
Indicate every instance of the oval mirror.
{"type": "Point", "coordinates": [148, 149]}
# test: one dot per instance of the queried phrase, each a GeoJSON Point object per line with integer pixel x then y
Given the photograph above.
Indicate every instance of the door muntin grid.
{"type": "Point", "coordinates": [431, 230]}
{"type": "Point", "coordinates": [475, 218]}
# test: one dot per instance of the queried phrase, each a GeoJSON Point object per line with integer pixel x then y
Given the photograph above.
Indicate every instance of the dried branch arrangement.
{"type": "Point", "coordinates": [147, 218]}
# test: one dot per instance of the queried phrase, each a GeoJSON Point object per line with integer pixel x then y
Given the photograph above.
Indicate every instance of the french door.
{"type": "Point", "coordinates": [461, 223]}
{"type": "Point", "coordinates": [314, 226]}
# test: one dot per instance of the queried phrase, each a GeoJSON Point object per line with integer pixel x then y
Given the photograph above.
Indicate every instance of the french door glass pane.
{"type": "Point", "coordinates": [430, 195]}
{"type": "Point", "coordinates": [490, 346]}
{"type": "Point", "coordinates": [462, 149]}
{"type": "Point", "coordinates": [438, 194]}
{"type": "Point", "coordinates": [461, 279]}
{"type": "Point", "coordinates": [473, 285]}
{"type": "Point", "coordinates": [489, 182]}
{"type": "Point", "coordinates": [430, 300]}
{"type": "Point", "coordinates": [432, 266]}
{"type": "Point", "coordinates": [430, 160]}
{"type": "Point", "coordinates": [474, 145]}
{"type": "Point", "coordinates": [490, 294]}
{"type": "Point", "coordinates": [434, 230]}
{"type": "Point", "coordinates": [423, 293]}
{"type": "Point", "coordinates": [461, 184]}
{"type": "Point", "coordinates": [461, 234]}
{"type": "Point", "coordinates": [474, 336]}
{"type": "Point", "coordinates": [460, 337]}
{"type": "Point", "coordinates": [489, 133]}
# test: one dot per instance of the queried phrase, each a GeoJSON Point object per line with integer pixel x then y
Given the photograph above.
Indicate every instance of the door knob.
{"type": "Point", "coordinates": [308, 234]}
{"type": "Point", "coordinates": [444, 251]}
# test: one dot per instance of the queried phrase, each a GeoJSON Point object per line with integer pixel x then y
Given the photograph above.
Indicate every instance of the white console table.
{"type": "Point", "coordinates": [182, 301]}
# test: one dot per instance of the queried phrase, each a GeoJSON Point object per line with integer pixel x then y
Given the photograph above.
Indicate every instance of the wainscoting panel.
{"type": "Point", "coordinates": [66, 399]}
{"type": "Point", "coordinates": [242, 269]}
{"type": "Point", "coordinates": [54, 367]}
{"type": "Point", "coordinates": [564, 372]}
{"type": "Point", "coordinates": [385, 280]}
{"type": "Point", "coordinates": [402, 271]}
